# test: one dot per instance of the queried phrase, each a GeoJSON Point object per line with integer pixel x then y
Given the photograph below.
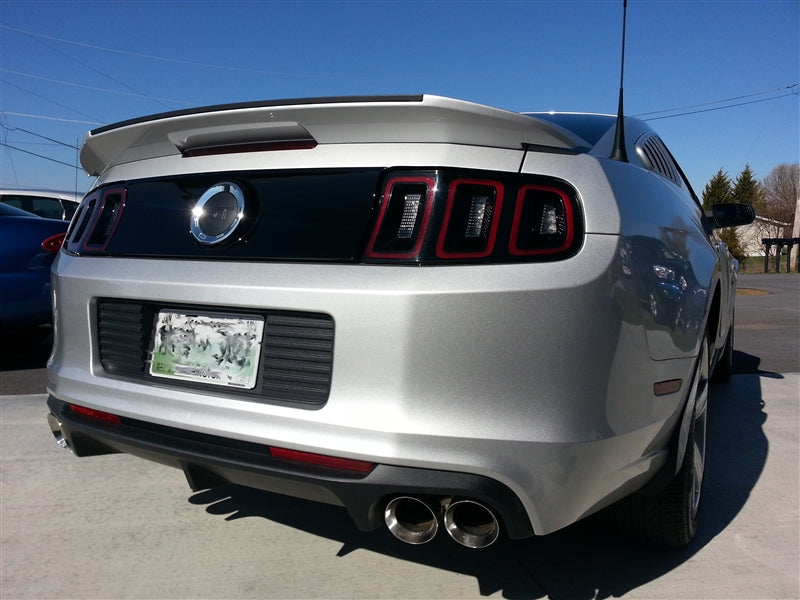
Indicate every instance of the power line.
{"type": "Point", "coordinates": [61, 162]}
{"type": "Point", "coordinates": [694, 112]}
{"type": "Point", "coordinates": [775, 91]}
{"type": "Point", "coordinates": [90, 67]}
{"type": "Point", "coordinates": [168, 59]}
{"type": "Point", "coordinates": [44, 137]}
{"type": "Point", "coordinates": [19, 114]}
{"type": "Point", "coordinates": [45, 98]}
{"type": "Point", "coordinates": [87, 87]}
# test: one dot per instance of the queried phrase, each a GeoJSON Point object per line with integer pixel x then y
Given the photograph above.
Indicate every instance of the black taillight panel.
{"type": "Point", "coordinates": [474, 217]}
{"type": "Point", "coordinates": [397, 216]}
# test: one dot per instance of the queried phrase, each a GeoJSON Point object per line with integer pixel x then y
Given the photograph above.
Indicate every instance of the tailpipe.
{"type": "Point", "coordinates": [412, 520]}
{"type": "Point", "coordinates": [55, 428]}
{"type": "Point", "coordinates": [471, 524]}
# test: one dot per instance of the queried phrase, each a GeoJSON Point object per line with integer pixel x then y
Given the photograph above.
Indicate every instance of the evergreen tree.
{"type": "Point", "coordinates": [746, 188]}
{"type": "Point", "coordinates": [717, 190]}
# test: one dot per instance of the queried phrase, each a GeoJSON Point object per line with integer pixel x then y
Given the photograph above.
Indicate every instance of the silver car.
{"type": "Point", "coordinates": [437, 314]}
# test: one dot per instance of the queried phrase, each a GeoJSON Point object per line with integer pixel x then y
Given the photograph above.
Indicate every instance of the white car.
{"type": "Point", "coordinates": [437, 314]}
{"type": "Point", "coordinates": [47, 204]}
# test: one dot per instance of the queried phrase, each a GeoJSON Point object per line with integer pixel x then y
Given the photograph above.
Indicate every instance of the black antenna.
{"type": "Point", "coordinates": [619, 152]}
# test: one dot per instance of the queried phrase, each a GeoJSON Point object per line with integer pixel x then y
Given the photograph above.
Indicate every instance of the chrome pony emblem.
{"type": "Point", "coordinates": [217, 213]}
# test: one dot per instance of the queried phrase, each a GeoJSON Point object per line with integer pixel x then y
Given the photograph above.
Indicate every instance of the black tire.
{"type": "Point", "coordinates": [724, 369]}
{"type": "Point", "coordinates": [669, 518]}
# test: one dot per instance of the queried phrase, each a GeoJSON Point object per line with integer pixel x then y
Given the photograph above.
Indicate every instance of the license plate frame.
{"type": "Point", "coordinates": [207, 348]}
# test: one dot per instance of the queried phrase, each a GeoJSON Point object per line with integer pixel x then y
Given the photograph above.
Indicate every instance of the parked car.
{"type": "Point", "coordinates": [50, 205]}
{"type": "Point", "coordinates": [28, 246]}
{"type": "Point", "coordinates": [425, 310]}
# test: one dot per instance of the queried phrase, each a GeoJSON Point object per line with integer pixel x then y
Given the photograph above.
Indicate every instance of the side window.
{"type": "Point", "coordinates": [49, 208]}
{"type": "Point", "coordinates": [15, 201]}
{"type": "Point", "coordinates": [655, 157]}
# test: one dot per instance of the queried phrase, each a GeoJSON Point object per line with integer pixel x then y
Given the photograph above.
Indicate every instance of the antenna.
{"type": "Point", "coordinates": [619, 152]}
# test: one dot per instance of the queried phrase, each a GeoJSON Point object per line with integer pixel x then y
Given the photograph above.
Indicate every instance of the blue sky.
{"type": "Point", "coordinates": [67, 67]}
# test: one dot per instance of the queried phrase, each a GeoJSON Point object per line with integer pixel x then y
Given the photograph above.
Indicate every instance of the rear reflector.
{"type": "Point", "coordinates": [322, 460]}
{"type": "Point", "coordinates": [98, 415]}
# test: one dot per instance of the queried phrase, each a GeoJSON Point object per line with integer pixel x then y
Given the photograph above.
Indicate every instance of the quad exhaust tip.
{"type": "Point", "coordinates": [416, 521]}
{"type": "Point", "coordinates": [411, 520]}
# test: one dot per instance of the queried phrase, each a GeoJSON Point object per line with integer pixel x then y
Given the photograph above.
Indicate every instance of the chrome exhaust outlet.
{"type": "Point", "coordinates": [411, 520]}
{"type": "Point", "coordinates": [471, 524]}
{"type": "Point", "coordinates": [55, 427]}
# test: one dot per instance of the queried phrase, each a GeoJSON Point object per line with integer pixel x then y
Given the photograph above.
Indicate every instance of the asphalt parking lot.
{"type": "Point", "coordinates": [119, 527]}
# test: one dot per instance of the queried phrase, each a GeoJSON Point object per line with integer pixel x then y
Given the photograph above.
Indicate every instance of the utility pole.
{"type": "Point", "coordinates": [795, 234]}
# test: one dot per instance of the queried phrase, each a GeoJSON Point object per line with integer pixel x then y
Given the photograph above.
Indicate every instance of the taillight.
{"type": "Point", "coordinates": [471, 218]}
{"type": "Point", "coordinates": [543, 222]}
{"type": "Point", "coordinates": [441, 217]}
{"type": "Point", "coordinates": [403, 217]}
{"type": "Point", "coordinates": [53, 243]}
{"type": "Point", "coordinates": [95, 221]}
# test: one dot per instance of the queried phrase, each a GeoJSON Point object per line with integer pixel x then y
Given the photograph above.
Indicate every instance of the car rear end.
{"type": "Point", "coordinates": [384, 304]}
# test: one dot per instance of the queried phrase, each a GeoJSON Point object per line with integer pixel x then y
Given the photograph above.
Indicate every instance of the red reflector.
{"type": "Point", "coordinates": [96, 414]}
{"type": "Point", "coordinates": [53, 243]}
{"type": "Point", "coordinates": [322, 460]}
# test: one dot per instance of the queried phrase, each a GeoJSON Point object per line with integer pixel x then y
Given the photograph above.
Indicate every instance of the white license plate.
{"type": "Point", "coordinates": [214, 349]}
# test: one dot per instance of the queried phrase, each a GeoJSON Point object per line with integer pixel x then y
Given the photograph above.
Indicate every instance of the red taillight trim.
{"type": "Point", "coordinates": [568, 213]}
{"type": "Point", "coordinates": [95, 220]}
{"type": "Point", "coordinates": [430, 182]}
{"type": "Point", "coordinates": [500, 189]}
{"type": "Point", "coordinates": [98, 415]}
{"type": "Point", "coordinates": [322, 460]}
{"type": "Point", "coordinates": [54, 242]}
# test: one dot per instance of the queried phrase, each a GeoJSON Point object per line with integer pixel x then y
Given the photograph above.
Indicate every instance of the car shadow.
{"type": "Point", "coordinates": [24, 350]}
{"type": "Point", "coordinates": [590, 559]}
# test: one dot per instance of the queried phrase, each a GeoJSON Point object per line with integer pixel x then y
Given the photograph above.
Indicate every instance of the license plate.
{"type": "Point", "coordinates": [213, 349]}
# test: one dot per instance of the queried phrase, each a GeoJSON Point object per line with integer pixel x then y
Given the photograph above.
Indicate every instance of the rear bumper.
{"type": "Point", "coordinates": [209, 461]}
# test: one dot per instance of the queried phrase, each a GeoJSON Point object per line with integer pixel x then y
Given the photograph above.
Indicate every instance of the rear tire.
{"type": "Point", "coordinates": [669, 518]}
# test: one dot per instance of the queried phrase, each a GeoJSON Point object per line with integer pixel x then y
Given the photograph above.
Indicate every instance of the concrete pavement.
{"type": "Point", "coordinates": [120, 527]}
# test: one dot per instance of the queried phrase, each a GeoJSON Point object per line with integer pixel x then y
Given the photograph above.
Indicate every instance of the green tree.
{"type": "Point", "coordinates": [717, 190]}
{"type": "Point", "coordinates": [720, 190]}
{"type": "Point", "coordinates": [746, 188]}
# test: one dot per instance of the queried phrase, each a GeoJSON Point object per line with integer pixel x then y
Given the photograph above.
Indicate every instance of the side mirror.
{"type": "Point", "coordinates": [732, 214]}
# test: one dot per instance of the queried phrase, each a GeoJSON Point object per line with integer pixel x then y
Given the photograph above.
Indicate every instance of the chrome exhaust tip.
{"type": "Point", "coordinates": [55, 428]}
{"type": "Point", "coordinates": [471, 524]}
{"type": "Point", "coordinates": [411, 520]}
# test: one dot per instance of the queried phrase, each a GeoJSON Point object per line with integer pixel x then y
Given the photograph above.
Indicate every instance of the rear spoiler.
{"type": "Point", "coordinates": [312, 121]}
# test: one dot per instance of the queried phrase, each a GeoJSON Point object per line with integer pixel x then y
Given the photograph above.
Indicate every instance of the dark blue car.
{"type": "Point", "coordinates": [28, 246]}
